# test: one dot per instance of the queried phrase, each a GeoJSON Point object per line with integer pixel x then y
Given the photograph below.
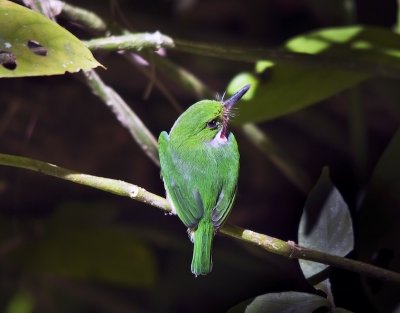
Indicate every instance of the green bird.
{"type": "Point", "coordinates": [200, 166]}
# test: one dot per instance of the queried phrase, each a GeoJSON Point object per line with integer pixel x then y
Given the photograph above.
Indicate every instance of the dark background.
{"type": "Point", "coordinates": [58, 120]}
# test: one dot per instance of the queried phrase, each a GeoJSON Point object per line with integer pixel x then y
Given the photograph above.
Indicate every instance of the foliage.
{"type": "Point", "coordinates": [82, 256]}
{"type": "Point", "coordinates": [32, 45]}
{"type": "Point", "coordinates": [350, 54]}
{"type": "Point", "coordinates": [325, 225]}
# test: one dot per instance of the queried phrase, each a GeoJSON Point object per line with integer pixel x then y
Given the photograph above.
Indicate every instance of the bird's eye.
{"type": "Point", "coordinates": [213, 124]}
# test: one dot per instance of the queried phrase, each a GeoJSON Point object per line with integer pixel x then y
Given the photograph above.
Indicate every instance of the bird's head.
{"type": "Point", "coordinates": [206, 121]}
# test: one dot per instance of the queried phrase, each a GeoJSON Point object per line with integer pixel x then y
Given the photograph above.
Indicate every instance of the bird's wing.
{"type": "Point", "coordinates": [223, 207]}
{"type": "Point", "coordinates": [178, 174]}
{"type": "Point", "coordinates": [230, 168]}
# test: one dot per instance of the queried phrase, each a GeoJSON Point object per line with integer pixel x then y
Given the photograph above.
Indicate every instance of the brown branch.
{"type": "Point", "coordinates": [268, 243]}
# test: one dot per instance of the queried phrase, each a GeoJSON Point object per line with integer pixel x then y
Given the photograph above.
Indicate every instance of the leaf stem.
{"type": "Point", "coordinates": [270, 244]}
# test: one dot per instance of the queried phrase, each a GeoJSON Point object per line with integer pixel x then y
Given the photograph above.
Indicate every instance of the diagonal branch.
{"type": "Point", "coordinates": [273, 245]}
{"type": "Point", "coordinates": [125, 115]}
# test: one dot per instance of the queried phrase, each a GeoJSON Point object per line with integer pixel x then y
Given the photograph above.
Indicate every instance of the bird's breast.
{"type": "Point", "coordinates": [218, 140]}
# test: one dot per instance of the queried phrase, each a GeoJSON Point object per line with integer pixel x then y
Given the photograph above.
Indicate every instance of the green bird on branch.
{"type": "Point", "coordinates": [200, 167]}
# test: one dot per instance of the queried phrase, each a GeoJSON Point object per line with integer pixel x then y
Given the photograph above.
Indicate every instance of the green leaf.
{"type": "Point", "coordinates": [243, 79]}
{"type": "Point", "coordinates": [325, 224]}
{"type": "Point", "coordinates": [284, 88]}
{"type": "Point", "coordinates": [33, 45]}
{"type": "Point", "coordinates": [22, 302]}
{"type": "Point", "coordinates": [291, 301]}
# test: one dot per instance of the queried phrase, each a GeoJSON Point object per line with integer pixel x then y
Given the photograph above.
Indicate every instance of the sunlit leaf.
{"type": "Point", "coordinates": [33, 45]}
{"type": "Point", "coordinates": [291, 301]}
{"type": "Point", "coordinates": [325, 224]}
{"type": "Point", "coordinates": [243, 79]}
{"type": "Point", "coordinates": [288, 87]}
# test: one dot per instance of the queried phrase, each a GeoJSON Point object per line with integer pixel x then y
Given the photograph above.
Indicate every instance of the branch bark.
{"type": "Point", "coordinates": [273, 245]}
{"type": "Point", "coordinates": [125, 115]}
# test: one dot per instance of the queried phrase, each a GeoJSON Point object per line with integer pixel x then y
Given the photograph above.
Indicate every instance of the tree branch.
{"type": "Point", "coordinates": [117, 187]}
{"type": "Point", "coordinates": [270, 244]}
{"type": "Point", "coordinates": [136, 41]}
{"type": "Point", "coordinates": [139, 41]}
{"type": "Point", "coordinates": [125, 115]}
{"type": "Point", "coordinates": [288, 57]}
{"type": "Point", "coordinates": [84, 17]}
{"type": "Point", "coordinates": [277, 156]}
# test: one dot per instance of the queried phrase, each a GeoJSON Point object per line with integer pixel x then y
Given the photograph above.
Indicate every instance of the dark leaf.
{"type": "Point", "coordinates": [291, 301]}
{"type": "Point", "coordinates": [325, 224]}
{"type": "Point", "coordinates": [379, 230]}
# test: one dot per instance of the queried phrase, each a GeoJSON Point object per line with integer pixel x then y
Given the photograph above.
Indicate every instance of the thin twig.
{"type": "Point", "coordinates": [181, 76]}
{"type": "Point", "coordinates": [288, 57]}
{"type": "Point", "coordinates": [124, 114]}
{"type": "Point", "coordinates": [117, 187]}
{"type": "Point", "coordinates": [270, 244]}
{"type": "Point", "coordinates": [136, 42]}
{"type": "Point", "coordinates": [84, 17]}
{"type": "Point", "coordinates": [157, 82]}
{"type": "Point", "coordinates": [278, 157]}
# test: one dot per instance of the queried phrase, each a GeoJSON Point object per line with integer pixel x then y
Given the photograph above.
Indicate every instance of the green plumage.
{"type": "Point", "coordinates": [200, 165]}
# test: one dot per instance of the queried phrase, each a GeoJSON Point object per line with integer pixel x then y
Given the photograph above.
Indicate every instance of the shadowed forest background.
{"type": "Point", "coordinates": [68, 248]}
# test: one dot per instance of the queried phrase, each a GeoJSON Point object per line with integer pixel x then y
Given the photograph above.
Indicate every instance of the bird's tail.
{"type": "Point", "coordinates": [203, 237]}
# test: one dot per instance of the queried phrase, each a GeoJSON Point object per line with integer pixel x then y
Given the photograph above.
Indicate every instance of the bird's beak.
{"type": "Point", "coordinates": [229, 103]}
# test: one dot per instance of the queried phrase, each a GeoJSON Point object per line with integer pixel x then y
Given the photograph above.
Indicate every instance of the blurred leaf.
{"type": "Point", "coordinates": [85, 213]}
{"type": "Point", "coordinates": [291, 301]}
{"type": "Point", "coordinates": [33, 45]}
{"type": "Point", "coordinates": [291, 87]}
{"type": "Point", "coordinates": [22, 302]}
{"type": "Point", "coordinates": [379, 231]}
{"type": "Point", "coordinates": [106, 254]}
{"type": "Point", "coordinates": [325, 224]}
{"type": "Point", "coordinates": [240, 80]}
{"type": "Point", "coordinates": [78, 247]}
